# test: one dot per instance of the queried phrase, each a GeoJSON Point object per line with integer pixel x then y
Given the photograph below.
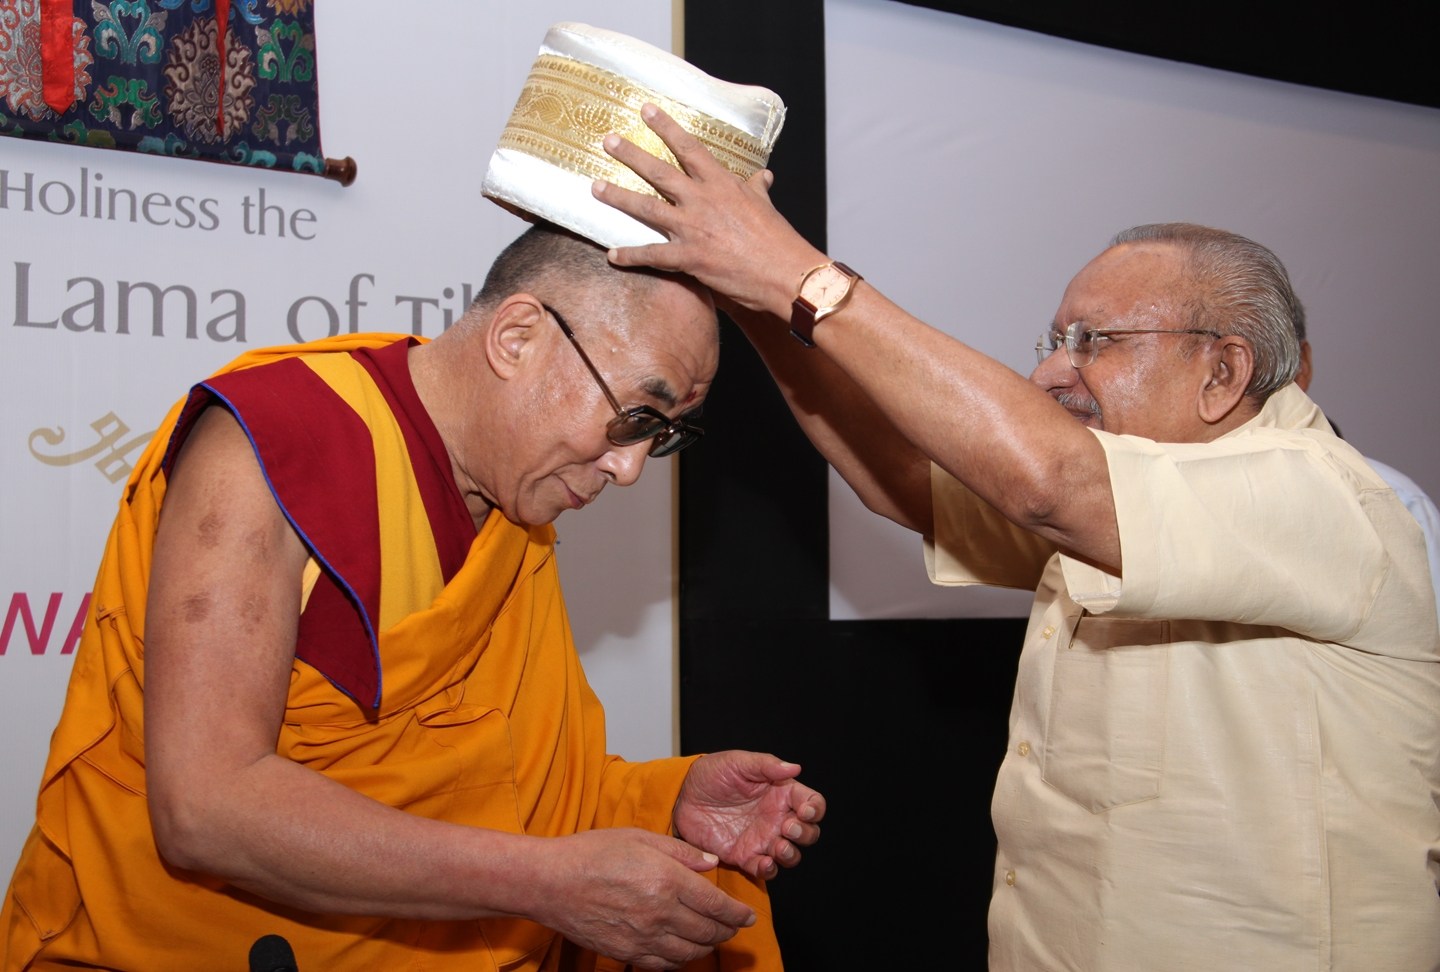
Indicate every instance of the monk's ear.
{"type": "Point", "coordinates": [1231, 366]}
{"type": "Point", "coordinates": [510, 335]}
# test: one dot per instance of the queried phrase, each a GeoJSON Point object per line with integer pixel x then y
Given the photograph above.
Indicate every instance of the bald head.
{"type": "Point", "coordinates": [1234, 285]}
{"type": "Point", "coordinates": [566, 269]}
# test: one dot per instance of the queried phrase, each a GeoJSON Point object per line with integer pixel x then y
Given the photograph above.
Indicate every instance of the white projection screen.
{"type": "Point", "coordinates": [974, 168]}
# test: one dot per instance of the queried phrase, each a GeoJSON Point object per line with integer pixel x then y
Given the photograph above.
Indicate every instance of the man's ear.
{"type": "Point", "coordinates": [511, 333]}
{"type": "Point", "coordinates": [1302, 377]}
{"type": "Point", "coordinates": [1232, 364]}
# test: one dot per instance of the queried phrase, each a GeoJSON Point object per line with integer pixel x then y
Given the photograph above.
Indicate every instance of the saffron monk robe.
{"type": "Point", "coordinates": [328, 689]}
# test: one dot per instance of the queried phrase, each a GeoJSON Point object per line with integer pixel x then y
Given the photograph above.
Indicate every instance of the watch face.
{"type": "Point", "coordinates": [825, 286]}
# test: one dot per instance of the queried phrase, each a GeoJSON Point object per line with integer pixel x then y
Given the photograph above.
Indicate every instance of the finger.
{"type": "Point", "coordinates": [777, 770]}
{"type": "Point", "coordinates": [665, 177]}
{"type": "Point", "coordinates": [643, 206]}
{"type": "Point", "coordinates": [692, 857]}
{"type": "Point", "coordinates": [698, 930]}
{"type": "Point", "coordinates": [688, 150]}
{"type": "Point", "coordinates": [786, 854]}
{"type": "Point", "coordinates": [671, 952]}
{"type": "Point", "coordinates": [807, 804]}
{"type": "Point", "coordinates": [810, 808]}
{"type": "Point", "coordinates": [762, 182]}
{"type": "Point", "coordinates": [712, 904]}
{"type": "Point", "coordinates": [805, 836]}
{"type": "Point", "coordinates": [637, 205]}
{"type": "Point", "coordinates": [765, 867]}
{"type": "Point", "coordinates": [763, 766]}
{"type": "Point", "coordinates": [647, 255]}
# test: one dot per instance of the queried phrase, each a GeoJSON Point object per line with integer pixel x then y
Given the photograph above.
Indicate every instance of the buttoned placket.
{"type": "Point", "coordinates": [1060, 622]}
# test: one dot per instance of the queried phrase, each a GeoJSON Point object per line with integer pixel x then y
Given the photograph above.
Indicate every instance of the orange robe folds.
{"type": "Point", "coordinates": [435, 673]}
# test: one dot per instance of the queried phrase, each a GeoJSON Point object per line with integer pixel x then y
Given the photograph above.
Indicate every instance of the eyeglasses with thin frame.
{"type": "Point", "coordinates": [1082, 342]}
{"type": "Point", "coordinates": [638, 422]}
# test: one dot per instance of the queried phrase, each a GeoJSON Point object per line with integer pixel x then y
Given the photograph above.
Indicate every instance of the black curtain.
{"type": "Point", "coordinates": [900, 723]}
{"type": "Point", "coordinates": [1384, 50]}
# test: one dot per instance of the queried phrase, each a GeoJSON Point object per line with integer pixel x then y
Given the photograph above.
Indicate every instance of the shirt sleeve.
{"type": "Point", "coordinates": [975, 544]}
{"type": "Point", "coordinates": [1263, 529]}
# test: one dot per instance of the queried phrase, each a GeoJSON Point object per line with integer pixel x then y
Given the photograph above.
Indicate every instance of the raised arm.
{"type": "Point", "coordinates": [996, 432]}
{"type": "Point", "coordinates": [884, 468]}
{"type": "Point", "coordinates": [221, 624]}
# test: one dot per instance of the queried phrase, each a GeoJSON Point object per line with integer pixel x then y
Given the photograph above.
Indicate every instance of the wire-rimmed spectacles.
{"type": "Point", "coordinates": [638, 422]}
{"type": "Point", "coordinates": [1082, 342]}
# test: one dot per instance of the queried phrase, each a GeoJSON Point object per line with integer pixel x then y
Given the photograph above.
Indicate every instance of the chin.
{"type": "Point", "coordinates": [539, 519]}
{"type": "Point", "coordinates": [524, 515]}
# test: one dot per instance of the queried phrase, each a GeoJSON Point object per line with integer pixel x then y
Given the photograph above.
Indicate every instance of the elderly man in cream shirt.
{"type": "Point", "coordinates": [1224, 748]}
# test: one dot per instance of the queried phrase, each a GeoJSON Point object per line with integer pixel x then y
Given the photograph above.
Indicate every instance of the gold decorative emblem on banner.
{"type": "Point", "coordinates": [109, 452]}
{"type": "Point", "coordinates": [567, 108]}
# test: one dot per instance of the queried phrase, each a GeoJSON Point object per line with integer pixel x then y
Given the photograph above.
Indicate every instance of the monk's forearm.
{"type": "Point", "coordinates": [292, 836]}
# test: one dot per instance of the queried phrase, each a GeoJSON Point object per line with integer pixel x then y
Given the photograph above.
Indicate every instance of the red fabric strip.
{"type": "Point", "coordinates": [315, 467]}
{"type": "Point", "coordinates": [450, 521]}
{"type": "Point", "coordinates": [222, 21]}
{"type": "Point", "coordinates": [57, 53]}
{"type": "Point", "coordinates": [318, 468]}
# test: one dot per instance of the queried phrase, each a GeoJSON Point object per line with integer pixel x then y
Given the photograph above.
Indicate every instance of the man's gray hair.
{"type": "Point", "coordinates": [1241, 288]}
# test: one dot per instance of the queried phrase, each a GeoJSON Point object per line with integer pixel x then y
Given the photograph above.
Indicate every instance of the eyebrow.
{"type": "Point", "coordinates": [660, 390]}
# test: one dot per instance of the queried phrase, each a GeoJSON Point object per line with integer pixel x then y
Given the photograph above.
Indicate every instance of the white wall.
{"type": "Point", "coordinates": [418, 96]}
{"type": "Point", "coordinates": [975, 168]}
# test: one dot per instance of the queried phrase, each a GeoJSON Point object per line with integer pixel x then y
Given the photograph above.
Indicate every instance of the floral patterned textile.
{"type": "Point", "coordinates": [157, 76]}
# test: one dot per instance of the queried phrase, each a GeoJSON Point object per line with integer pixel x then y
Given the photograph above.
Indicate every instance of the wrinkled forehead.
{"type": "Point", "coordinates": [676, 318]}
{"type": "Point", "coordinates": [1133, 280]}
{"type": "Point", "coordinates": [663, 344]}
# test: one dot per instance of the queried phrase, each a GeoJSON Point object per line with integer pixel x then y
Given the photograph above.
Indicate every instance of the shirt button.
{"type": "Point", "coordinates": [1010, 878]}
{"type": "Point", "coordinates": [1023, 749]}
{"type": "Point", "coordinates": [1049, 630]}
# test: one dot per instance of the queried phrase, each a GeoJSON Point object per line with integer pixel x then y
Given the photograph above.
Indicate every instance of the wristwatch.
{"type": "Point", "coordinates": [823, 291]}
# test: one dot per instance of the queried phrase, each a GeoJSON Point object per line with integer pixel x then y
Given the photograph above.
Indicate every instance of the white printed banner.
{"type": "Point", "coordinates": [126, 277]}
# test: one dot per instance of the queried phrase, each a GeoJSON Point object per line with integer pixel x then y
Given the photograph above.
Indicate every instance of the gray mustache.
{"type": "Point", "coordinates": [1078, 404]}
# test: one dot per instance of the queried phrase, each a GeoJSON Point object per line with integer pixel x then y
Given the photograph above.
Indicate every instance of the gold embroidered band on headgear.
{"type": "Point", "coordinates": [567, 109]}
{"type": "Point", "coordinates": [587, 83]}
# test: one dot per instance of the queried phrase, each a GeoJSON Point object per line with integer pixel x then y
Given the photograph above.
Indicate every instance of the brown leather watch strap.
{"type": "Point", "coordinates": [804, 315]}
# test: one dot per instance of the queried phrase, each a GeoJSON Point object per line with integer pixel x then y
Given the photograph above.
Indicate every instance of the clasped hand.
{"type": "Point", "coordinates": [637, 896]}
{"type": "Point", "coordinates": [749, 810]}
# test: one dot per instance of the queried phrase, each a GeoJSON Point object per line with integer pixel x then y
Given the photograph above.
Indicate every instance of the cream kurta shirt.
{"type": "Point", "coordinates": [1228, 757]}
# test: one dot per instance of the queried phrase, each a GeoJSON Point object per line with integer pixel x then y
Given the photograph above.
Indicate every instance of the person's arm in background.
{"type": "Point", "coordinates": [1423, 509]}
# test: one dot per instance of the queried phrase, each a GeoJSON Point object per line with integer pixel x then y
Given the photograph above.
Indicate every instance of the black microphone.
{"type": "Point", "coordinates": [271, 953]}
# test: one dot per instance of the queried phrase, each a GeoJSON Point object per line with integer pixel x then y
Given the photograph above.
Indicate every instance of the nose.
{"type": "Point", "coordinates": [622, 465]}
{"type": "Point", "coordinates": [1055, 371]}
